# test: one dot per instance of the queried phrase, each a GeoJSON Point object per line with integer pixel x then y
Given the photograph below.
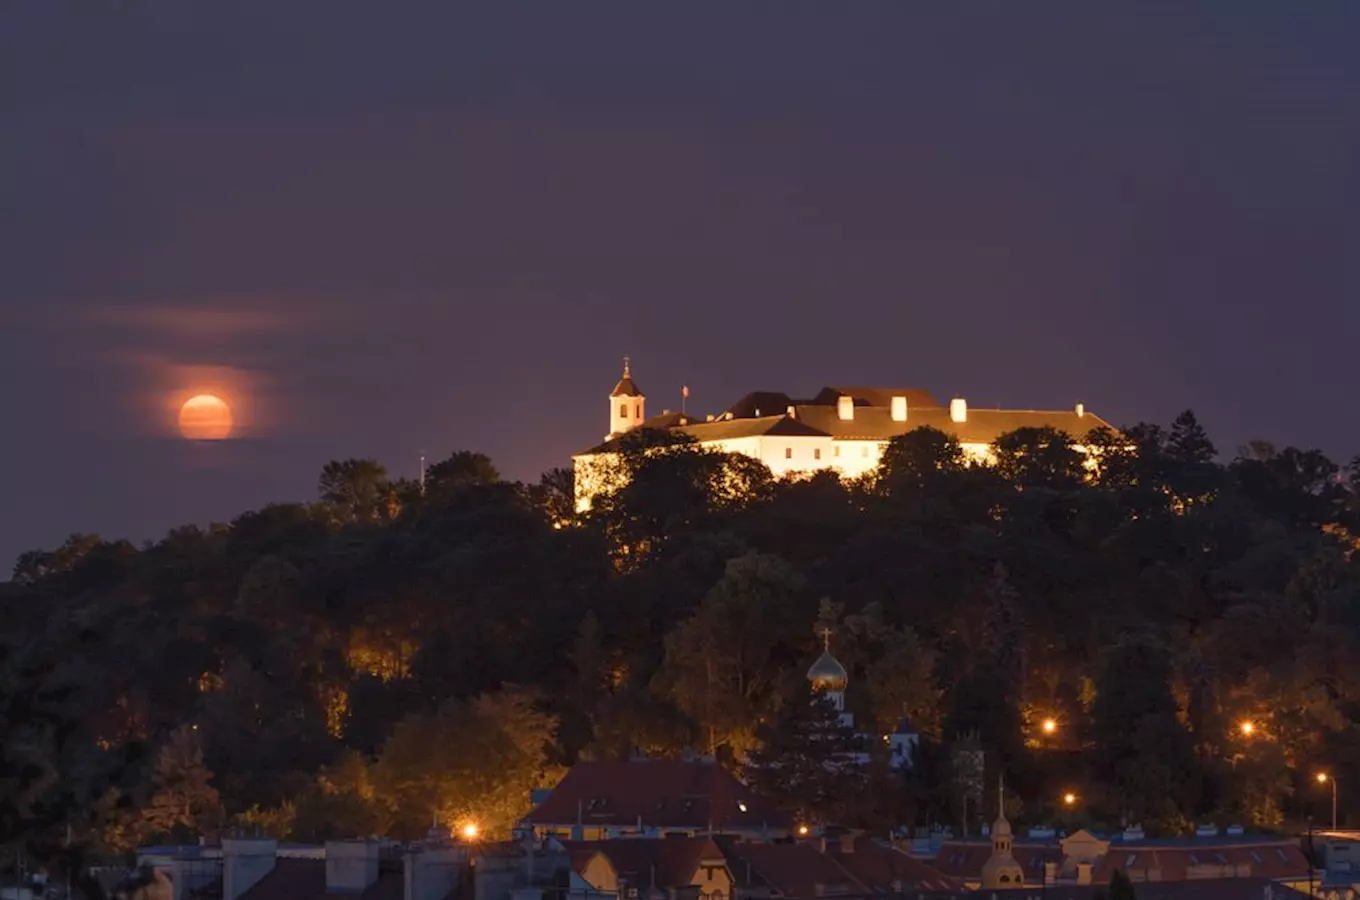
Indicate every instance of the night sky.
{"type": "Point", "coordinates": [394, 227]}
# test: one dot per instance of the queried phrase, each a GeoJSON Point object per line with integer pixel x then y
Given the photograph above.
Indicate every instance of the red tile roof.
{"type": "Point", "coordinates": [888, 870]}
{"type": "Point", "coordinates": [1203, 889]}
{"type": "Point", "coordinates": [664, 862]}
{"type": "Point", "coordinates": [1151, 861]}
{"type": "Point", "coordinates": [305, 879]}
{"type": "Point", "coordinates": [792, 870]}
{"type": "Point", "coordinates": [661, 794]}
{"type": "Point", "coordinates": [1269, 859]}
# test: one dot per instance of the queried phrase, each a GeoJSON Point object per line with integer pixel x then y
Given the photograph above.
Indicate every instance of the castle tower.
{"type": "Point", "coordinates": [627, 404]}
{"type": "Point", "coordinates": [1001, 870]}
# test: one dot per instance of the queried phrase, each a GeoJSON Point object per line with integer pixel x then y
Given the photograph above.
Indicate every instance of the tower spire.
{"type": "Point", "coordinates": [626, 373]}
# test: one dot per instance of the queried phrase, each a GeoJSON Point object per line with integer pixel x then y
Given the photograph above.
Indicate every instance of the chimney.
{"type": "Point", "coordinates": [1081, 410]}
{"type": "Point", "coordinates": [351, 866]}
{"type": "Point", "coordinates": [899, 409]}
{"type": "Point", "coordinates": [244, 862]}
{"type": "Point", "coordinates": [958, 409]}
{"type": "Point", "coordinates": [431, 873]}
{"type": "Point", "coordinates": [845, 407]}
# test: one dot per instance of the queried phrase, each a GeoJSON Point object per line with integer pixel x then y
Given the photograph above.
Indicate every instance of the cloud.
{"type": "Point", "coordinates": [197, 322]}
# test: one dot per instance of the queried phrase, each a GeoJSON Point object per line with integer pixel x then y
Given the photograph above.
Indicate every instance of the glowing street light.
{"type": "Point", "coordinates": [802, 831]}
{"type": "Point", "coordinates": [1049, 726]}
{"type": "Point", "coordinates": [1248, 728]}
{"type": "Point", "coordinates": [1324, 778]}
{"type": "Point", "coordinates": [1069, 799]}
{"type": "Point", "coordinates": [470, 831]}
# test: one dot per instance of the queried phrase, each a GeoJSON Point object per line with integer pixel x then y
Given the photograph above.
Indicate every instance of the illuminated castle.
{"type": "Point", "coordinates": [841, 428]}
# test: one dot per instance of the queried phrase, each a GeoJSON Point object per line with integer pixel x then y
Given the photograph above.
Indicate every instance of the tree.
{"type": "Point", "coordinates": [468, 761]}
{"type": "Point", "coordinates": [358, 489]}
{"type": "Point", "coordinates": [1141, 748]}
{"type": "Point", "coordinates": [555, 495]}
{"type": "Point", "coordinates": [809, 760]}
{"type": "Point", "coordinates": [462, 468]}
{"type": "Point", "coordinates": [184, 803]}
{"type": "Point", "coordinates": [720, 664]}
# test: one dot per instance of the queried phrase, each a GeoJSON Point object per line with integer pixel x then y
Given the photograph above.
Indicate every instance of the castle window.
{"type": "Point", "coordinates": [817, 453]}
{"type": "Point", "coordinates": [835, 451]}
{"type": "Point", "coordinates": [1005, 879]}
{"type": "Point", "coordinates": [623, 410]}
{"type": "Point", "coordinates": [788, 453]}
{"type": "Point", "coordinates": [864, 452]}
{"type": "Point", "coordinates": [637, 410]}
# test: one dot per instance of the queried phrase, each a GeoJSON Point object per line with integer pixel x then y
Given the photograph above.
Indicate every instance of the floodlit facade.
{"type": "Point", "coordinates": [842, 429]}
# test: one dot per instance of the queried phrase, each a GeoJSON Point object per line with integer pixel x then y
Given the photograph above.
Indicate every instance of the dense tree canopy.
{"type": "Point", "coordinates": [396, 652]}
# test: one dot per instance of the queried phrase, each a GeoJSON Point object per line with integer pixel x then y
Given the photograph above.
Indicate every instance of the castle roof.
{"type": "Point", "coordinates": [767, 413]}
{"type": "Point", "coordinates": [626, 386]}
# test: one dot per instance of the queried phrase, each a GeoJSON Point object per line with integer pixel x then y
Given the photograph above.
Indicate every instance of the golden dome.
{"type": "Point", "coordinates": [827, 673]}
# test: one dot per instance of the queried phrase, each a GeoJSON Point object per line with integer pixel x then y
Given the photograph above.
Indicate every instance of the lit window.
{"type": "Point", "coordinates": [817, 453]}
{"type": "Point", "coordinates": [788, 453]}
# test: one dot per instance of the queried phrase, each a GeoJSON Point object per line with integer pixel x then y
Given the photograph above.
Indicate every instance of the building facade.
{"type": "Point", "coordinates": [840, 429]}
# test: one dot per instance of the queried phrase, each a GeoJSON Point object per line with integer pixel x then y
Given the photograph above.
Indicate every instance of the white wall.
{"type": "Point", "coordinates": [244, 863]}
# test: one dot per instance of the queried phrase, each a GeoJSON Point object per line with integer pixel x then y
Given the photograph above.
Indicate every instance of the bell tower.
{"type": "Point", "coordinates": [627, 404]}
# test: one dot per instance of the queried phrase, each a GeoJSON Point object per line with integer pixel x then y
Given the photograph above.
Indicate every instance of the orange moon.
{"type": "Point", "coordinates": [205, 417]}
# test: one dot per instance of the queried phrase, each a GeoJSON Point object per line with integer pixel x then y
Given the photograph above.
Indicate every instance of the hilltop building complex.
{"type": "Point", "coordinates": [843, 429]}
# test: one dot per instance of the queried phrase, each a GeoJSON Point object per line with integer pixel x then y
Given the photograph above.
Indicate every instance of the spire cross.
{"type": "Point", "coordinates": [826, 639]}
{"type": "Point", "coordinates": [625, 366]}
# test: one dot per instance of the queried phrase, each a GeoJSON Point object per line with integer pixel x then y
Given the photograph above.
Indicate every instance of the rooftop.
{"type": "Point", "coordinates": [774, 413]}
{"type": "Point", "coordinates": [658, 793]}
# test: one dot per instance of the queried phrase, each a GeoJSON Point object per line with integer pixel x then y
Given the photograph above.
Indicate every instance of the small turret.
{"type": "Point", "coordinates": [1002, 870]}
{"type": "Point", "coordinates": [627, 403]}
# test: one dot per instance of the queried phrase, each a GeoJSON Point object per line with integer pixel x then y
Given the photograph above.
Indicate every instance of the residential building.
{"type": "Point", "coordinates": [599, 800]}
{"type": "Point", "coordinates": [692, 868]}
{"type": "Point", "coordinates": [1086, 859]}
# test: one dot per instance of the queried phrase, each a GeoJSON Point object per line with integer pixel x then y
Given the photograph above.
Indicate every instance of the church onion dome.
{"type": "Point", "coordinates": [827, 673]}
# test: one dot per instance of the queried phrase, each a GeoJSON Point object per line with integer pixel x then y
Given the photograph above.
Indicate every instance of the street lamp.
{"type": "Point", "coordinates": [1069, 799]}
{"type": "Point", "coordinates": [470, 831]}
{"type": "Point", "coordinates": [1248, 728]}
{"type": "Point", "coordinates": [1049, 726]}
{"type": "Point", "coordinates": [1324, 778]}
